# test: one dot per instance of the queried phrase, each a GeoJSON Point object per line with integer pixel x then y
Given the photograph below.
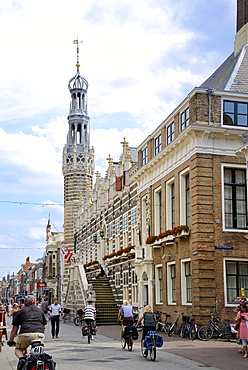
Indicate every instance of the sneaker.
{"type": "Point", "coordinates": [57, 336]}
{"type": "Point", "coordinates": [92, 338]}
{"type": "Point", "coordinates": [53, 337]}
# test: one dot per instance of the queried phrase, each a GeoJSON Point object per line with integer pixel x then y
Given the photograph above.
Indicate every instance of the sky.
{"type": "Point", "coordinates": [140, 59]}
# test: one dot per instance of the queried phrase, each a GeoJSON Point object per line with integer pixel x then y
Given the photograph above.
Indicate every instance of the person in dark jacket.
{"type": "Point", "coordinates": [32, 323]}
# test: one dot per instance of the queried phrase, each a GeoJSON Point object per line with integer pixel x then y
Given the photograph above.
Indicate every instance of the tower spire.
{"type": "Point", "coordinates": [77, 42]}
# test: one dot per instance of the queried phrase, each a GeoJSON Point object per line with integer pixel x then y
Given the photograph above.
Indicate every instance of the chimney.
{"type": "Point", "coordinates": [241, 37]}
{"type": "Point", "coordinates": [242, 13]}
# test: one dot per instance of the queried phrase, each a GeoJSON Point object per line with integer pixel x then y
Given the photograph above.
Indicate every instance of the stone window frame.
{"type": "Point", "coordinates": [170, 285]}
{"type": "Point", "coordinates": [170, 209]}
{"type": "Point", "coordinates": [157, 210]}
{"type": "Point", "coordinates": [159, 284]}
{"type": "Point", "coordinates": [225, 259]}
{"type": "Point", "coordinates": [185, 286]}
{"type": "Point", "coordinates": [184, 212]}
{"type": "Point", "coordinates": [234, 166]}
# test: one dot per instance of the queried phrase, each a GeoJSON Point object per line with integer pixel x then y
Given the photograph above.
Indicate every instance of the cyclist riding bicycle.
{"type": "Point", "coordinates": [149, 321]}
{"type": "Point", "coordinates": [126, 311]}
{"type": "Point", "coordinates": [89, 314]}
{"type": "Point", "coordinates": [32, 323]}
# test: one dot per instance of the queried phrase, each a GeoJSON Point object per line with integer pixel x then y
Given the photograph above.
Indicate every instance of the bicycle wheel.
{"type": "Point", "coordinates": [205, 332]}
{"type": "Point", "coordinates": [183, 330]}
{"type": "Point", "coordinates": [153, 353]}
{"type": "Point", "coordinates": [144, 350]}
{"type": "Point", "coordinates": [76, 321]}
{"type": "Point", "coordinates": [123, 342]}
{"type": "Point", "coordinates": [172, 329]}
{"type": "Point", "coordinates": [157, 327]}
{"type": "Point", "coordinates": [89, 336]}
{"type": "Point", "coordinates": [192, 332]}
{"type": "Point", "coordinates": [130, 343]}
{"type": "Point", "coordinates": [166, 328]}
{"type": "Point", "coordinates": [227, 333]}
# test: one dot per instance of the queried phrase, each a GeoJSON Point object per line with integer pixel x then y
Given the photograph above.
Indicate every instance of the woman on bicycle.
{"type": "Point", "coordinates": [149, 320]}
{"type": "Point", "coordinates": [242, 318]}
{"type": "Point", "coordinates": [126, 311]}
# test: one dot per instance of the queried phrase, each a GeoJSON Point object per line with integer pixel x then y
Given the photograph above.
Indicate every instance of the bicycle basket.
{"type": "Point", "coordinates": [159, 341]}
{"type": "Point", "coordinates": [185, 318]}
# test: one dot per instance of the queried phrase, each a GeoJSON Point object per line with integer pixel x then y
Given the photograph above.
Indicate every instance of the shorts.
{"type": "Point", "coordinates": [127, 320]}
{"type": "Point", "coordinates": [25, 339]}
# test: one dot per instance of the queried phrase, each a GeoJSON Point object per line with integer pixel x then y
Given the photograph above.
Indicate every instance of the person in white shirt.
{"type": "Point", "coordinates": [56, 317]}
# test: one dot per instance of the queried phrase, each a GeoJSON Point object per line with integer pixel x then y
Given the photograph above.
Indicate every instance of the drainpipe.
{"type": "Point", "coordinates": [210, 93]}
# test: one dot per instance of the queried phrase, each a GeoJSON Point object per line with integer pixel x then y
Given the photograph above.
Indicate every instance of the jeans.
{"type": "Point", "coordinates": [55, 320]}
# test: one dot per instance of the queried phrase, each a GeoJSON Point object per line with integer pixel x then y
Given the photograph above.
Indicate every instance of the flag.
{"type": "Point", "coordinates": [66, 253]}
{"type": "Point", "coordinates": [75, 41]}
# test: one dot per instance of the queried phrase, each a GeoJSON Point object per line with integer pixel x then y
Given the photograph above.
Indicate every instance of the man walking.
{"type": "Point", "coordinates": [32, 323]}
{"type": "Point", "coordinates": [56, 317]}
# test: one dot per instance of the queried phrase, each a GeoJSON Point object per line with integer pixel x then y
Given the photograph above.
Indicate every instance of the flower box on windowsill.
{"type": "Point", "coordinates": [183, 234]}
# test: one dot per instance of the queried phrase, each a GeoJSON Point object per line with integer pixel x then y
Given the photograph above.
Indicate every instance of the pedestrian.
{"type": "Point", "coordinates": [100, 272]}
{"type": "Point", "coordinates": [32, 323]}
{"type": "Point", "coordinates": [242, 320]}
{"type": "Point", "coordinates": [126, 313]}
{"type": "Point", "coordinates": [89, 314]}
{"type": "Point", "coordinates": [15, 309]}
{"type": "Point", "coordinates": [56, 317]}
{"type": "Point", "coordinates": [149, 320]}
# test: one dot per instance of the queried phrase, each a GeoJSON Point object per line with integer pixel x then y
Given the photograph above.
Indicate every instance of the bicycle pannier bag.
{"type": "Point", "coordinates": [148, 342]}
{"type": "Point", "coordinates": [135, 334]}
{"type": "Point", "coordinates": [85, 330]}
{"type": "Point", "coordinates": [159, 341]}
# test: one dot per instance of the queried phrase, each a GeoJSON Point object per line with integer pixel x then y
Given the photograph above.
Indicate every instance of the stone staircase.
{"type": "Point", "coordinates": [105, 301]}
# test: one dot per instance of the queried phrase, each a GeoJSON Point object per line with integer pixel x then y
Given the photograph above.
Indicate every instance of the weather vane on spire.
{"type": "Point", "coordinates": [77, 42]}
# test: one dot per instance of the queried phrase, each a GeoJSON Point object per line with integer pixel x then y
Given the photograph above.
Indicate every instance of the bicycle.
{"type": "Point", "coordinates": [89, 330]}
{"type": "Point", "coordinates": [206, 332]}
{"type": "Point", "coordinates": [36, 359]}
{"type": "Point", "coordinates": [127, 336]}
{"type": "Point", "coordinates": [174, 326]}
{"type": "Point", "coordinates": [160, 326]}
{"type": "Point", "coordinates": [66, 313]}
{"type": "Point", "coordinates": [189, 327]}
{"type": "Point", "coordinates": [78, 320]}
{"type": "Point", "coordinates": [150, 344]}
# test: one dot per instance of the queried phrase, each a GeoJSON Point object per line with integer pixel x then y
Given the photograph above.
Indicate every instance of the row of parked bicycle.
{"type": "Point", "coordinates": [189, 327]}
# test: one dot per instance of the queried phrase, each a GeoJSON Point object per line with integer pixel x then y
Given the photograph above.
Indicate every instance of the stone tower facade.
{"type": "Point", "coordinates": [78, 157]}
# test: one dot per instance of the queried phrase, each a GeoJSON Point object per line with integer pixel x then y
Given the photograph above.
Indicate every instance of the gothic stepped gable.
{"type": "Point", "coordinates": [105, 302]}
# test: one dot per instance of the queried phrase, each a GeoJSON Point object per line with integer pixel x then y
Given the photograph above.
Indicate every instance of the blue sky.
{"type": "Point", "coordinates": [140, 58]}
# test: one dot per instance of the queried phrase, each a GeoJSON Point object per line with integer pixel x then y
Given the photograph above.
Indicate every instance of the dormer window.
{"type": "Point", "coordinates": [184, 119]}
{"type": "Point", "coordinates": [157, 144]}
{"type": "Point", "coordinates": [235, 113]}
{"type": "Point", "coordinates": [170, 133]}
{"type": "Point", "coordinates": [144, 156]}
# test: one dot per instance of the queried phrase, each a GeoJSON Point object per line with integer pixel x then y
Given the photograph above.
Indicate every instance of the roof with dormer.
{"type": "Point", "coordinates": [232, 74]}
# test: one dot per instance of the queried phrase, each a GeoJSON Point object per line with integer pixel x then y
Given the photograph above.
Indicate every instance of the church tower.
{"type": "Point", "coordinates": [78, 158]}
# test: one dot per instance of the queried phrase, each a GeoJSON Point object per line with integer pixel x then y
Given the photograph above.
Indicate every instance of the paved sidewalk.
{"type": "Point", "coordinates": [105, 352]}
